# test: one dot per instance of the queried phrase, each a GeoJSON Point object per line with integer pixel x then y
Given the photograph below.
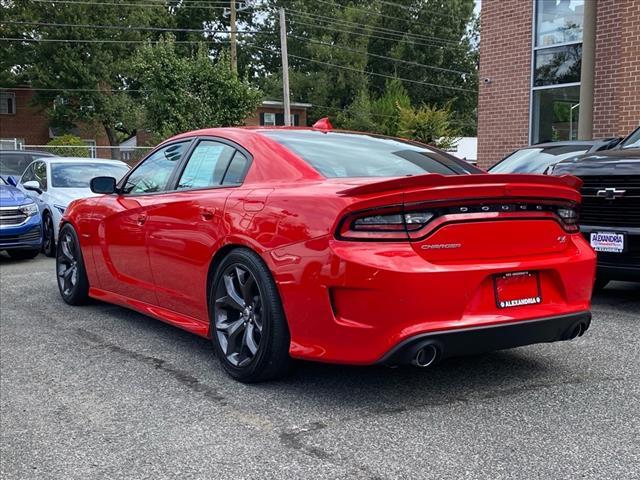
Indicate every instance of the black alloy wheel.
{"type": "Point", "coordinates": [238, 315]}
{"type": "Point", "coordinates": [248, 328]}
{"type": "Point", "coordinates": [71, 274]}
{"type": "Point", "coordinates": [49, 242]}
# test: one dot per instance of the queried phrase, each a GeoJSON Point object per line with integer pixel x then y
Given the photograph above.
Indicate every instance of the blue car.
{"type": "Point", "coordinates": [20, 223]}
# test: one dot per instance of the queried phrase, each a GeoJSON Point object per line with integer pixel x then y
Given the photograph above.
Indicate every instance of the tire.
{"type": "Point", "coordinates": [23, 254]}
{"type": "Point", "coordinates": [49, 239]}
{"type": "Point", "coordinates": [70, 271]}
{"type": "Point", "coordinates": [249, 331]}
{"type": "Point", "coordinates": [600, 283]}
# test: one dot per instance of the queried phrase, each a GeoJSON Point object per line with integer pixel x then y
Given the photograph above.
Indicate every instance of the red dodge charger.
{"type": "Point", "coordinates": [298, 243]}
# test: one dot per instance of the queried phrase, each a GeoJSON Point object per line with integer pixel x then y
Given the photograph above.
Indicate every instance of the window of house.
{"type": "Point", "coordinates": [268, 119]}
{"type": "Point", "coordinates": [7, 103]}
{"type": "Point", "coordinates": [557, 60]}
{"type": "Point", "coordinates": [277, 119]}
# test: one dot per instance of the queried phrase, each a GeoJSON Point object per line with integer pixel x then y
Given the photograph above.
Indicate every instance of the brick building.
{"type": "Point", "coordinates": [531, 72]}
{"type": "Point", "coordinates": [271, 113]}
{"type": "Point", "coordinates": [22, 123]}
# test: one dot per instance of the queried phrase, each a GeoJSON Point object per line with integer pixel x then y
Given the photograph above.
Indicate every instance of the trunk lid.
{"type": "Point", "coordinates": [479, 217]}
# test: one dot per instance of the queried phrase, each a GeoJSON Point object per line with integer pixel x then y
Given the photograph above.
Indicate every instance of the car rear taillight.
{"type": "Point", "coordinates": [385, 224]}
{"type": "Point", "coordinates": [568, 218]}
{"type": "Point", "coordinates": [412, 222]}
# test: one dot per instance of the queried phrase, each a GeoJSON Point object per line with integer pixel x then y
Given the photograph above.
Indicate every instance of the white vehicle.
{"type": "Point", "coordinates": [53, 182]}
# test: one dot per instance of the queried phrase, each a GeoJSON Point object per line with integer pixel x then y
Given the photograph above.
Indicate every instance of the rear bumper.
{"type": "Point", "coordinates": [470, 341]}
{"type": "Point", "coordinates": [354, 302]}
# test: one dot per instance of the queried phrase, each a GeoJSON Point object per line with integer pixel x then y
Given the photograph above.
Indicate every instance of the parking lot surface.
{"type": "Point", "coordinates": [103, 392]}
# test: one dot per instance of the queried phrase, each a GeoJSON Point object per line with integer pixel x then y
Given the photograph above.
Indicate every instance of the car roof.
{"type": "Point", "coordinates": [566, 143]}
{"type": "Point", "coordinates": [82, 160]}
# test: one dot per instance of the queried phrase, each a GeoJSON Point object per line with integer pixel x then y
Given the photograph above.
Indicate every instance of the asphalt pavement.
{"type": "Point", "coordinates": [100, 392]}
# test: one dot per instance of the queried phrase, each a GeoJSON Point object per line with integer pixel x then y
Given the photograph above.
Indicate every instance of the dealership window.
{"type": "Point", "coordinates": [557, 59]}
{"type": "Point", "coordinates": [7, 103]}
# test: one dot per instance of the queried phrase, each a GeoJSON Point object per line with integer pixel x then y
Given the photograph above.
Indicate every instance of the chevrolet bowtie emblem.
{"type": "Point", "coordinates": [610, 193]}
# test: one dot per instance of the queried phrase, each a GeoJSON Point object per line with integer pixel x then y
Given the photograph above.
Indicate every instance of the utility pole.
{"type": "Point", "coordinates": [587, 72]}
{"type": "Point", "coordinates": [234, 48]}
{"type": "Point", "coordinates": [285, 69]}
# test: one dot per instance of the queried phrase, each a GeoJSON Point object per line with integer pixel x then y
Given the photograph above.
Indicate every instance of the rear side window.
{"type": "Point", "coordinates": [235, 172]}
{"type": "Point", "coordinates": [206, 166]}
{"type": "Point", "coordinates": [337, 154]}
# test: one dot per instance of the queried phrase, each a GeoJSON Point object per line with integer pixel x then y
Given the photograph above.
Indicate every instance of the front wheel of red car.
{"type": "Point", "coordinates": [248, 327]}
{"type": "Point", "coordinates": [72, 276]}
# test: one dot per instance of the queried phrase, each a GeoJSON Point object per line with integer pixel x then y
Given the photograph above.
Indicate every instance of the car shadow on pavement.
{"type": "Point", "coordinates": [384, 389]}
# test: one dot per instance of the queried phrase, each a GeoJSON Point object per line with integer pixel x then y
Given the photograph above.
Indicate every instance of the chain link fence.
{"type": "Point", "coordinates": [130, 155]}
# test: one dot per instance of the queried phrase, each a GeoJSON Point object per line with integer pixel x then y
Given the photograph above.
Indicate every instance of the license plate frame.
{"type": "Point", "coordinates": [607, 243]}
{"type": "Point", "coordinates": [517, 289]}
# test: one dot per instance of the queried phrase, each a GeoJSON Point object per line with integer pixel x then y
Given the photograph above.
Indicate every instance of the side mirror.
{"type": "Point", "coordinates": [33, 186]}
{"type": "Point", "coordinates": [12, 180]}
{"type": "Point", "coordinates": [105, 185]}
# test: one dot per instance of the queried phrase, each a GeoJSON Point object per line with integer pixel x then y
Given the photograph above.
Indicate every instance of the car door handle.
{"type": "Point", "coordinates": [142, 218]}
{"type": "Point", "coordinates": [207, 213]}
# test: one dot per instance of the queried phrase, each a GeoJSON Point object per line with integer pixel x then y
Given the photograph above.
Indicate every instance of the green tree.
{"type": "Point", "coordinates": [86, 65]}
{"type": "Point", "coordinates": [430, 125]}
{"type": "Point", "coordinates": [68, 146]}
{"type": "Point", "coordinates": [386, 109]}
{"type": "Point", "coordinates": [358, 115]}
{"type": "Point", "coordinates": [187, 92]}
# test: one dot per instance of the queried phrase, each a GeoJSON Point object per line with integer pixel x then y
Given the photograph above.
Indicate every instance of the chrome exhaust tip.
{"type": "Point", "coordinates": [425, 356]}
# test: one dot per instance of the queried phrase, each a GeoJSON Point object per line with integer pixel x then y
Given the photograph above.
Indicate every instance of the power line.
{"type": "Point", "coordinates": [107, 90]}
{"type": "Point", "coordinates": [51, 40]}
{"type": "Point", "coordinates": [195, 30]}
{"type": "Point", "coordinates": [402, 40]}
{"type": "Point", "coordinates": [366, 72]}
{"type": "Point", "coordinates": [76, 40]}
{"type": "Point", "coordinates": [379, 14]}
{"type": "Point", "coordinates": [399, 60]}
{"type": "Point", "coordinates": [125, 27]}
{"type": "Point", "coordinates": [155, 5]}
{"type": "Point", "coordinates": [380, 30]}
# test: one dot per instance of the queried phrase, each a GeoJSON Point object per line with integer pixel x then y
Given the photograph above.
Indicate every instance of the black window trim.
{"type": "Point", "coordinates": [170, 182]}
{"type": "Point", "coordinates": [173, 180]}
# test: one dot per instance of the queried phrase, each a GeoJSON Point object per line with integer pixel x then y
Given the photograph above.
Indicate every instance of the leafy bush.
{"type": "Point", "coordinates": [428, 124]}
{"type": "Point", "coordinates": [68, 146]}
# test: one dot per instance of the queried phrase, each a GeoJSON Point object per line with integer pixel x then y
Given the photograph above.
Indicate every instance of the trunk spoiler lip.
{"type": "Point", "coordinates": [430, 180]}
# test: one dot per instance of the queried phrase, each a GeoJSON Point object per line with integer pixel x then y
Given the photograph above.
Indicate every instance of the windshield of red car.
{"type": "Point", "coordinates": [340, 154]}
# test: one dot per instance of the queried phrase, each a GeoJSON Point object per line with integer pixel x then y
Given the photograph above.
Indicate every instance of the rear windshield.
{"type": "Point", "coordinates": [14, 163]}
{"type": "Point", "coordinates": [536, 160]}
{"type": "Point", "coordinates": [78, 175]}
{"type": "Point", "coordinates": [337, 154]}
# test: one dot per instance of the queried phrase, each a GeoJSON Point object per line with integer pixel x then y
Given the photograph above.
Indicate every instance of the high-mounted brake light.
{"type": "Point", "coordinates": [323, 124]}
